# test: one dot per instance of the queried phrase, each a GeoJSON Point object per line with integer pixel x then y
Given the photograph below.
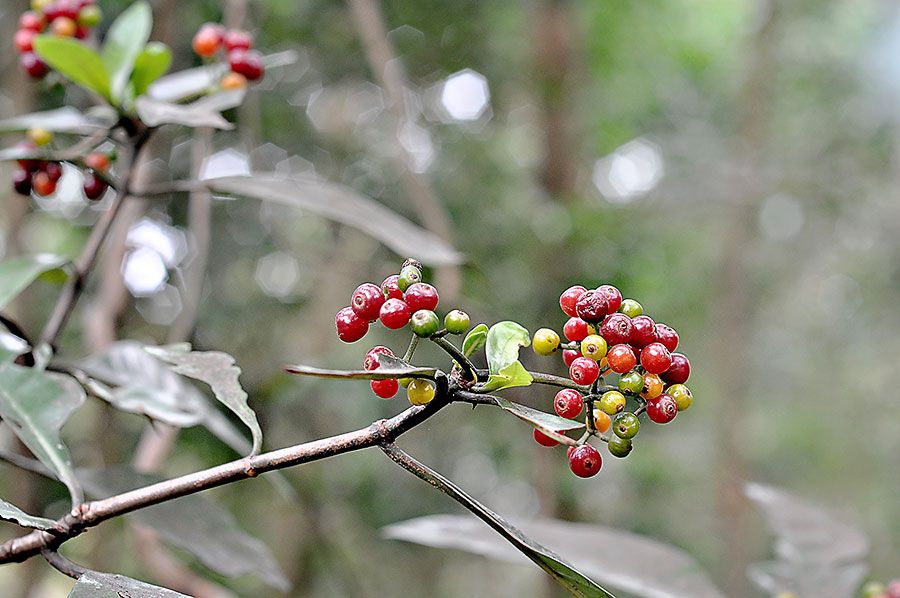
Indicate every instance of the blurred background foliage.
{"type": "Point", "coordinates": [731, 164]}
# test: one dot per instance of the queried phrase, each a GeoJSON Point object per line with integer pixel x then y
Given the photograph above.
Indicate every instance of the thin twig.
{"type": "Point", "coordinates": [469, 370]}
{"type": "Point", "coordinates": [62, 564]}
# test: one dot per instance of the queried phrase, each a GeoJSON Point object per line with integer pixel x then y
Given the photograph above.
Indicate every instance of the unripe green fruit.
{"type": "Point", "coordinates": [545, 342]}
{"type": "Point", "coordinates": [626, 425]}
{"type": "Point", "coordinates": [612, 402]}
{"type": "Point", "coordinates": [619, 447]}
{"type": "Point", "coordinates": [90, 16]}
{"type": "Point", "coordinates": [408, 275]}
{"type": "Point", "coordinates": [424, 323]}
{"type": "Point", "coordinates": [683, 396]}
{"type": "Point", "coordinates": [420, 391]}
{"type": "Point", "coordinates": [631, 382]}
{"type": "Point", "coordinates": [873, 589]}
{"type": "Point", "coordinates": [631, 308]}
{"type": "Point", "coordinates": [456, 322]}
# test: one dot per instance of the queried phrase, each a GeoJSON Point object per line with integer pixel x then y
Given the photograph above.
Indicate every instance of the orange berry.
{"type": "Point", "coordinates": [63, 27]}
{"type": "Point", "coordinates": [234, 81]}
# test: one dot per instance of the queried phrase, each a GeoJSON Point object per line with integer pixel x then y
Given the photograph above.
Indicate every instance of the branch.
{"type": "Point", "coordinates": [470, 371]}
{"type": "Point", "coordinates": [62, 564]}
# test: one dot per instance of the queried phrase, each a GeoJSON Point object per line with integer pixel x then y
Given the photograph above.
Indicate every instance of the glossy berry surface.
{"type": "Point", "coordinates": [64, 27]}
{"type": "Point", "coordinates": [233, 81]}
{"type": "Point", "coordinates": [542, 439]}
{"type": "Point", "coordinates": [679, 371]}
{"type": "Point", "coordinates": [420, 391]}
{"type": "Point", "coordinates": [89, 16]}
{"type": "Point", "coordinates": [643, 331]}
{"type": "Point", "coordinates": [424, 323]}
{"type": "Point", "coordinates": [627, 425]}
{"type": "Point", "coordinates": [612, 402]}
{"type": "Point", "coordinates": [421, 295]}
{"type": "Point", "coordinates": [385, 388]}
{"type": "Point", "coordinates": [207, 40]}
{"type": "Point", "coordinates": [594, 347]}
{"type": "Point", "coordinates": [616, 329]}
{"type": "Point", "coordinates": [22, 181]}
{"type": "Point", "coordinates": [545, 342]}
{"type": "Point", "coordinates": [236, 39]}
{"type": "Point", "coordinates": [350, 327]}
{"type": "Point", "coordinates": [409, 275]}
{"type": "Point", "coordinates": [619, 447]}
{"type": "Point", "coordinates": [621, 359]}
{"type": "Point", "coordinates": [32, 21]}
{"type": "Point", "coordinates": [632, 382]}
{"type": "Point", "coordinates": [390, 289]}
{"type": "Point", "coordinates": [662, 409]}
{"type": "Point", "coordinates": [601, 422]}
{"type": "Point", "coordinates": [97, 161]}
{"type": "Point", "coordinates": [655, 358]}
{"type": "Point", "coordinates": [631, 308]}
{"type": "Point", "coordinates": [613, 296]}
{"type": "Point", "coordinates": [370, 361]}
{"type": "Point", "coordinates": [394, 314]}
{"type": "Point", "coordinates": [568, 299]}
{"type": "Point", "coordinates": [591, 306]}
{"type": "Point", "coordinates": [584, 371]}
{"type": "Point", "coordinates": [683, 396]}
{"type": "Point", "coordinates": [667, 336]}
{"type": "Point", "coordinates": [33, 65]}
{"type": "Point", "coordinates": [42, 185]}
{"type": "Point", "coordinates": [23, 40]}
{"type": "Point", "coordinates": [570, 355]}
{"type": "Point", "coordinates": [93, 186]}
{"type": "Point", "coordinates": [568, 403]}
{"type": "Point", "coordinates": [54, 170]}
{"type": "Point", "coordinates": [457, 321]}
{"type": "Point", "coordinates": [248, 63]}
{"type": "Point", "coordinates": [575, 329]}
{"type": "Point", "coordinates": [585, 461]}
{"type": "Point", "coordinates": [653, 386]}
{"type": "Point", "coordinates": [366, 301]}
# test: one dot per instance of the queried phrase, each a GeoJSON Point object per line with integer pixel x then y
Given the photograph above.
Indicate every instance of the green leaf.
{"type": "Point", "coordinates": [94, 584]}
{"type": "Point", "coordinates": [61, 120]}
{"type": "Point", "coordinates": [124, 41]}
{"type": "Point", "coordinates": [155, 112]}
{"type": "Point", "coordinates": [503, 342]}
{"type": "Point", "coordinates": [550, 424]}
{"type": "Point", "coordinates": [340, 204]}
{"type": "Point", "coordinates": [475, 340]}
{"type": "Point", "coordinates": [19, 272]}
{"type": "Point", "coordinates": [151, 64]}
{"type": "Point", "coordinates": [218, 370]}
{"type": "Point", "coordinates": [36, 404]}
{"type": "Point", "coordinates": [75, 61]}
{"type": "Point", "coordinates": [10, 512]}
{"type": "Point", "coordinates": [512, 375]}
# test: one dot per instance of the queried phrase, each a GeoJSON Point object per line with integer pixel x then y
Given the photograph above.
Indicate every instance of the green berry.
{"type": "Point", "coordinates": [456, 322]}
{"type": "Point", "coordinates": [682, 395]}
{"type": "Point", "coordinates": [631, 308]}
{"type": "Point", "coordinates": [424, 323]}
{"type": "Point", "coordinates": [612, 402]}
{"type": "Point", "coordinates": [619, 447]}
{"type": "Point", "coordinates": [90, 16]}
{"type": "Point", "coordinates": [631, 382]}
{"type": "Point", "coordinates": [873, 589]}
{"type": "Point", "coordinates": [420, 391]}
{"type": "Point", "coordinates": [409, 275]}
{"type": "Point", "coordinates": [404, 382]}
{"type": "Point", "coordinates": [545, 342]}
{"type": "Point", "coordinates": [626, 425]}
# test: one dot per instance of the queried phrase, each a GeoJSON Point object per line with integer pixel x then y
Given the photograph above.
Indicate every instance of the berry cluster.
{"type": "Point", "coordinates": [41, 176]}
{"type": "Point", "coordinates": [246, 64]}
{"type": "Point", "coordinates": [874, 589]}
{"type": "Point", "coordinates": [63, 18]}
{"type": "Point", "coordinates": [402, 300]}
{"type": "Point", "coordinates": [611, 335]}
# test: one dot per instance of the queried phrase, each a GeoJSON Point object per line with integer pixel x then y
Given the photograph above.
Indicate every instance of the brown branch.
{"type": "Point", "coordinates": [62, 564]}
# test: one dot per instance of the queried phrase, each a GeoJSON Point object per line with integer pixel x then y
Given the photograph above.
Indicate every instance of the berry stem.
{"type": "Point", "coordinates": [413, 343]}
{"type": "Point", "coordinates": [469, 370]}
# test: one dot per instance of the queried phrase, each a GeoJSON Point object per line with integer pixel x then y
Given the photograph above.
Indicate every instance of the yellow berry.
{"type": "Point", "coordinates": [594, 347]}
{"type": "Point", "coordinates": [683, 396]}
{"type": "Point", "coordinates": [545, 342]}
{"type": "Point", "coordinates": [420, 391]}
{"type": "Point", "coordinates": [40, 136]}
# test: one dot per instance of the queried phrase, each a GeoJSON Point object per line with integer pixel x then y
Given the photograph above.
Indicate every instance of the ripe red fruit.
{"type": "Point", "coordinates": [22, 181]}
{"type": "Point", "coordinates": [390, 288]}
{"type": "Point", "coordinates": [667, 336]}
{"type": "Point", "coordinates": [613, 296]}
{"type": "Point", "coordinates": [643, 331]}
{"type": "Point", "coordinates": [350, 327]}
{"type": "Point", "coordinates": [385, 388]}
{"type": "Point", "coordinates": [97, 161]}
{"type": "Point", "coordinates": [584, 371]}
{"type": "Point", "coordinates": [33, 65]}
{"type": "Point", "coordinates": [207, 40]}
{"type": "Point", "coordinates": [62, 9]}
{"type": "Point", "coordinates": [576, 329]}
{"type": "Point", "coordinates": [370, 362]}
{"type": "Point", "coordinates": [591, 306]}
{"type": "Point", "coordinates": [248, 63]}
{"type": "Point", "coordinates": [394, 314]}
{"type": "Point", "coordinates": [569, 297]}
{"type": "Point", "coordinates": [81, 32]}
{"type": "Point", "coordinates": [568, 403]}
{"type": "Point", "coordinates": [616, 329]}
{"type": "Point", "coordinates": [366, 301]}
{"type": "Point", "coordinates": [42, 184]}
{"type": "Point", "coordinates": [585, 461]}
{"type": "Point", "coordinates": [621, 359]}
{"type": "Point", "coordinates": [94, 187]}
{"type": "Point", "coordinates": [655, 358]}
{"type": "Point", "coordinates": [32, 21]}
{"type": "Point", "coordinates": [23, 40]}
{"type": "Point", "coordinates": [421, 295]}
{"type": "Point", "coordinates": [28, 165]}
{"type": "Point", "coordinates": [54, 170]}
{"type": "Point", "coordinates": [236, 39]}
{"type": "Point", "coordinates": [679, 371]}
{"type": "Point", "coordinates": [570, 355]}
{"type": "Point", "coordinates": [543, 439]}
{"type": "Point", "coordinates": [662, 409]}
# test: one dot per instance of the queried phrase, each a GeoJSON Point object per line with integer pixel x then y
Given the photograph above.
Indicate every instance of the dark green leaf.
{"type": "Point", "coordinates": [19, 272]}
{"type": "Point", "coordinates": [75, 61]}
{"type": "Point", "coordinates": [151, 64]}
{"type": "Point", "coordinates": [546, 422]}
{"type": "Point", "coordinates": [124, 41]}
{"type": "Point", "coordinates": [610, 555]}
{"type": "Point", "coordinates": [10, 512]}
{"type": "Point", "coordinates": [503, 342]}
{"type": "Point", "coordinates": [155, 112]}
{"type": "Point", "coordinates": [36, 404]}
{"type": "Point", "coordinates": [196, 524]}
{"type": "Point", "coordinates": [343, 205]}
{"type": "Point", "coordinates": [219, 371]}
{"type": "Point", "coordinates": [106, 585]}
{"type": "Point", "coordinates": [475, 340]}
{"type": "Point", "coordinates": [61, 120]}
{"type": "Point", "coordinates": [385, 371]}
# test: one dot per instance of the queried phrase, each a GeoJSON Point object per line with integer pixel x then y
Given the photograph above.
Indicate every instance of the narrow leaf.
{"type": "Point", "coordinates": [389, 368]}
{"type": "Point", "coordinates": [36, 404]}
{"type": "Point", "coordinates": [475, 340]}
{"type": "Point", "coordinates": [11, 346]}
{"type": "Point", "coordinates": [75, 61]}
{"type": "Point", "coordinates": [124, 41]}
{"type": "Point", "coordinates": [94, 584]}
{"type": "Point", "coordinates": [19, 272]}
{"type": "Point", "coordinates": [186, 84]}
{"type": "Point", "coordinates": [341, 204]}
{"type": "Point", "coordinates": [539, 419]}
{"type": "Point", "coordinates": [155, 112]}
{"type": "Point", "coordinates": [151, 64]}
{"type": "Point", "coordinates": [503, 342]}
{"type": "Point", "coordinates": [512, 375]}
{"type": "Point", "coordinates": [10, 512]}
{"type": "Point", "coordinates": [61, 120]}
{"type": "Point", "coordinates": [218, 370]}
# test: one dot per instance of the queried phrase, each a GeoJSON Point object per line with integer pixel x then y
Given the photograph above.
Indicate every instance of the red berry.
{"type": "Point", "coordinates": [67, 9]}
{"type": "Point", "coordinates": [568, 403]}
{"type": "Point", "coordinates": [584, 371]}
{"type": "Point", "coordinates": [97, 161]}
{"type": "Point", "coordinates": [591, 306]}
{"type": "Point", "coordinates": [576, 329]}
{"type": "Point", "coordinates": [662, 409]}
{"type": "Point", "coordinates": [32, 21]}
{"type": "Point", "coordinates": [570, 355]}
{"type": "Point", "coordinates": [390, 289]}
{"type": "Point", "coordinates": [643, 331]}
{"type": "Point", "coordinates": [370, 362]}
{"type": "Point", "coordinates": [33, 65]}
{"type": "Point", "coordinates": [42, 184]}
{"type": "Point", "coordinates": [394, 314]}
{"type": "Point", "coordinates": [385, 388]}
{"type": "Point", "coordinates": [94, 187]}
{"type": "Point", "coordinates": [543, 439]}
{"type": "Point", "coordinates": [22, 181]}
{"type": "Point", "coordinates": [207, 40]}
{"type": "Point", "coordinates": [667, 336]}
{"type": "Point", "coordinates": [350, 327]}
{"type": "Point", "coordinates": [893, 589]}
{"type": "Point", "coordinates": [421, 295]}
{"type": "Point", "coordinates": [54, 170]}
{"type": "Point", "coordinates": [679, 371]}
{"type": "Point", "coordinates": [366, 301]}
{"type": "Point", "coordinates": [248, 63]}
{"type": "Point", "coordinates": [616, 329]}
{"type": "Point", "coordinates": [585, 461]}
{"type": "Point", "coordinates": [613, 296]}
{"type": "Point", "coordinates": [569, 297]}
{"type": "Point", "coordinates": [621, 359]}
{"type": "Point", "coordinates": [23, 40]}
{"type": "Point", "coordinates": [81, 32]}
{"type": "Point", "coordinates": [655, 358]}
{"type": "Point", "coordinates": [28, 165]}
{"type": "Point", "coordinates": [237, 40]}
